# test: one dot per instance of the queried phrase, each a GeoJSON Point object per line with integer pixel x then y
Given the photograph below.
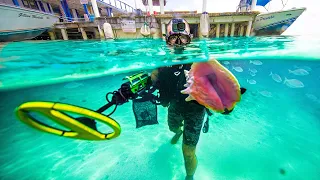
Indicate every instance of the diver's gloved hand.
{"type": "Point", "coordinates": [243, 90]}
{"type": "Point", "coordinates": [152, 84]}
{"type": "Point", "coordinates": [149, 82]}
{"type": "Point", "coordinates": [227, 112]}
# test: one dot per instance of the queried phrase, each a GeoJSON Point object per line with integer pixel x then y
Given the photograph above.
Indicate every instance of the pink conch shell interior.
{"type": "Point", "coordinates": [212, 85]}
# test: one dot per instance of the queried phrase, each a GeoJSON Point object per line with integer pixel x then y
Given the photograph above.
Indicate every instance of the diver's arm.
{"type": "Point", "coordinates": [152, 81]}
{"type": "Point", "coordinates": [154, 75]}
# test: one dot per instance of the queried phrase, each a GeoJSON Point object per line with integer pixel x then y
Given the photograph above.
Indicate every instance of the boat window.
{"type": "Point", "coordinates": [25, 3]}
{"type": "Point", "coordinates": [30, 4]}
{"type": "Point", "coordinates": [48, 5]}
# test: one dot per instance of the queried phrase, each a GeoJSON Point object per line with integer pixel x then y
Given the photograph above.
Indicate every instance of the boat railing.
{"type": "Point", "coordinates": [119, 5]}
{"type": "Point", "coordinates": [246, 6]}
{"type": "Point", "coordinates": [66, 19]}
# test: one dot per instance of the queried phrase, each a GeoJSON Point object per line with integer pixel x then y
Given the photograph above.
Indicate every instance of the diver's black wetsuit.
{"type": "Point", "coordinates": [170, 82]}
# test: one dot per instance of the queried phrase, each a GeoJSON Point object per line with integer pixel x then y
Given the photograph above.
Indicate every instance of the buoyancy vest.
{"type": "Point", "coordinates": [171, 81]}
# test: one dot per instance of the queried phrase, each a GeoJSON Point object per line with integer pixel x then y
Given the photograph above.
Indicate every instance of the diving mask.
{"type": "Point", "coordinates": [178, 39]}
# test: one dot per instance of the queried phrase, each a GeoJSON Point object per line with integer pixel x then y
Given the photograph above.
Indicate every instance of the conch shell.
{"type": "Point", "coordinates": [212, 85]}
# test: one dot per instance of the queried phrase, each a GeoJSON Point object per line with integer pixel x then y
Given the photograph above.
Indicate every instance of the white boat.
{"type": "Point", "coordinates": [18, 23]}
{"type": "Point", "coordinates": [271, 23]}
{"type": "Point", "coordinates": [275, 23]}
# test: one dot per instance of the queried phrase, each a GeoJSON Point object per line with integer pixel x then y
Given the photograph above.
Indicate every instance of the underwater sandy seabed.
{"type": "Point", "coordinates": [273, 133]}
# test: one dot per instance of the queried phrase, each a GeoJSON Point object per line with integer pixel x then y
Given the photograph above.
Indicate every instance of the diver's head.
{"type": "Point", "coordinates": [178, 32]}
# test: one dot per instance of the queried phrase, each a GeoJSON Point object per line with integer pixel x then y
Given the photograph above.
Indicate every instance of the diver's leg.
{"type": "Point", "coordinates": [174, 123]}
{"type": "Point", "coordinates": [190, 160]}
{"type": "Point", "coordinates": [176, 137]}
{"type": "Point", "coordinates": [192, 130]}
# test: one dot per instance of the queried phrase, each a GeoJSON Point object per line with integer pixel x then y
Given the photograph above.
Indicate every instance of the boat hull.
{"type": "Point", "coordinates": [275, 23]}
{"type": "Point", "coordinates": [18, 23]}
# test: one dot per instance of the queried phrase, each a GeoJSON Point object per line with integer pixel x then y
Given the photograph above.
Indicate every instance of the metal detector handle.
{"type": "Point", "coordinates": [105, 107]}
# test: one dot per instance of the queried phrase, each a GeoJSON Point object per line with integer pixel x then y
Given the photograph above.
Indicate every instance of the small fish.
{"type": "Point", "coordinates": [251, 81]}
{"type": "Point", "coordinates": [293, 83]}
{"type": "Point", "coordinates": [226, 62]}
{"type": "Point", "coordinates": [266, 93]}
{"type": "Point", "coordinates": [303, 67]}
{"type": "Point", "coordinates": [252, 73]}
{"type": "Point", "coordinates": [299, 72]}
{"type": "Point", "coordinates": [256, 62]}
{"type": "Point", "coordinates": [253, 70]}
{"type": "Point", "coordinates": [275, 77]}
{"type": "Point", "coordinates": [73, 85]}
{"type": "Point", "coordinates": [312, 97]}
{"type": "Point", "coordinates": [238, 69]}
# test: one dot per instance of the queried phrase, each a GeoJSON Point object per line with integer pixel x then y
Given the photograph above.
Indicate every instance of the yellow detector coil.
{"type": "Point", "coordinates": [55, 112]}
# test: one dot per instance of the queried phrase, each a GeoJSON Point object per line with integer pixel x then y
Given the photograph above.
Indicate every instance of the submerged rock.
{"type": "Point", "coordinates": [282, 171]}
{"type": "Point", "coordinates": [62, 98]}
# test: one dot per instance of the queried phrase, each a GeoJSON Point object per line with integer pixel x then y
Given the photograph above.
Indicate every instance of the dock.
{"type": "Point", "coordinates": [228, 24]}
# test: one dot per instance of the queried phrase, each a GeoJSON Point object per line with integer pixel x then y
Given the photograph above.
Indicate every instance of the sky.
{"type": "Point", "coordinates": [304, 25]}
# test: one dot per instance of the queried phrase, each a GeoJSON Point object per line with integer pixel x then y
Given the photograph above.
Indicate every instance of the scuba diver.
{"type": "Point", "coordinates": [170, 81]}
{"type": "Point", "coordinates": [189, 115]}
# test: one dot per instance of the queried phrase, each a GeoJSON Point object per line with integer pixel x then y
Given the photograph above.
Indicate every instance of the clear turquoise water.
{"type": "Point", "coordinates": [275, 127]}
{"type": "Point", "coordinates": [60, 61]}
